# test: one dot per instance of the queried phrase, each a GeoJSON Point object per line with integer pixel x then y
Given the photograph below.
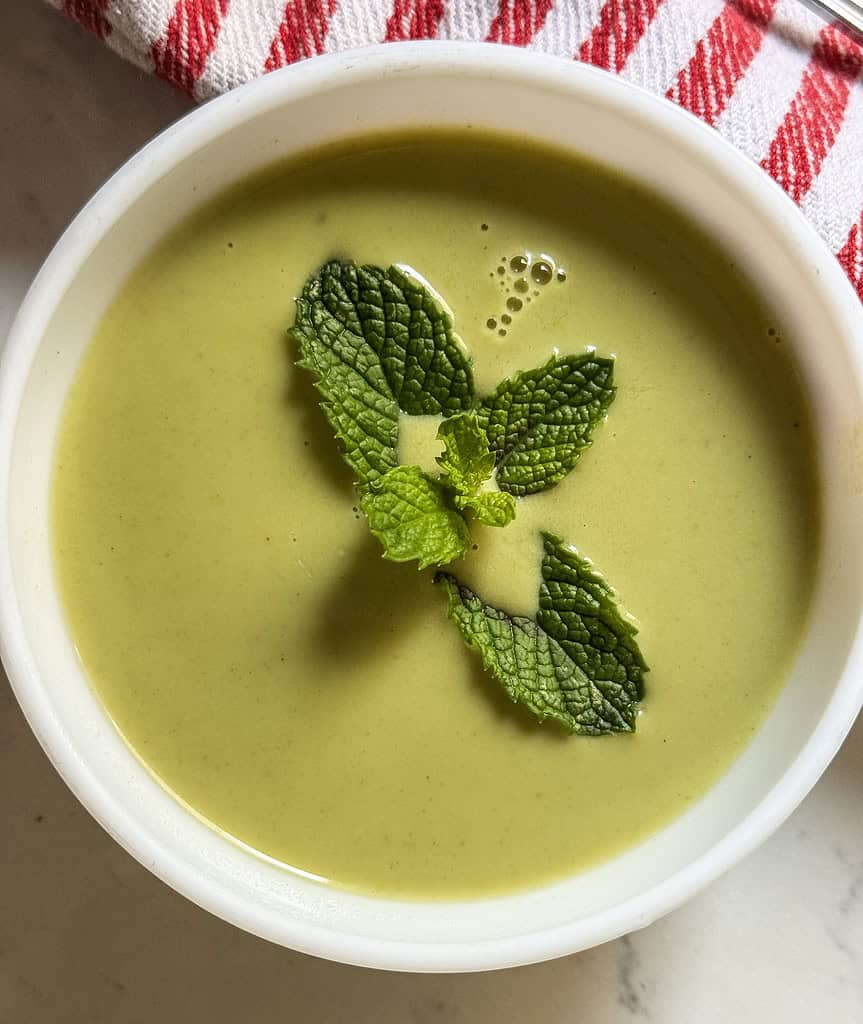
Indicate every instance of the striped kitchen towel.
{"type": "Point", "coordinates": [776, 80]}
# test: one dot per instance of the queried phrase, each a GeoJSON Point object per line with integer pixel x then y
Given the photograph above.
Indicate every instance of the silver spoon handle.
{"type": "Point", "coordinates": [849, 12]}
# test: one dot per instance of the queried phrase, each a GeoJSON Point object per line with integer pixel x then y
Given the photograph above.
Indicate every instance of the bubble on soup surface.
{"type": "Point", "coordinates": [542, 272]}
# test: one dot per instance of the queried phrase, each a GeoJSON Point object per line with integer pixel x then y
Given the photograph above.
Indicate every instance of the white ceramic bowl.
{"type": "Point", "coordinates": [396, 87]}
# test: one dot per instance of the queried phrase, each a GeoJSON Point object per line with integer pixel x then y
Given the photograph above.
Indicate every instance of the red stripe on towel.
{"type": "Point", "coordinates": [722, 57]}
{"type": "Point", "coordinates": [518, 21]}
{"type": "Point", "coordinates": [814, 119]}
{"type": "Point", "coordinates": [302, 32]}
{"type": "Point", "coordinates": [90, 14]}
{"type": "Point", "coordinates": [621, 25]}
{"type": "Point", "coordinates": [414, 19]}
{"type": "Point", "coordinates": [180, 54]}
{"type": "Point", "coordinates": [851, 256]}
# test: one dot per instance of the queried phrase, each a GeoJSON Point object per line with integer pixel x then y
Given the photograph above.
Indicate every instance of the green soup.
{"type": "Point", "coordinates": [311, 699]}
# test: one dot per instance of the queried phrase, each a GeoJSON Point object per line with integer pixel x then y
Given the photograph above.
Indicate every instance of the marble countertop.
{"type": "Point", "coordinates": [88, 936]}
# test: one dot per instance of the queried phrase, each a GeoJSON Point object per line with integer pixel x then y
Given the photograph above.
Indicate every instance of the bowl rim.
{"type": "Point", "coordinates": [171, 147]}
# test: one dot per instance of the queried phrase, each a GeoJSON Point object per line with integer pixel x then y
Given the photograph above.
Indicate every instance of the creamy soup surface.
{"type": "Point", "coordinates": [311, 699]}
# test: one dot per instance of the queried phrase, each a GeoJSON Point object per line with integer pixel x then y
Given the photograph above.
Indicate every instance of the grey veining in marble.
{"type": "Point", "coordinates": [87, 936]}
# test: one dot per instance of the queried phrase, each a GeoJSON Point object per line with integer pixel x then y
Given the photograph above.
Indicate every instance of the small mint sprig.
{"type": "Point", "coordinates": [419, 517]}
{"type": "Point", "coordinates": [468, 463]}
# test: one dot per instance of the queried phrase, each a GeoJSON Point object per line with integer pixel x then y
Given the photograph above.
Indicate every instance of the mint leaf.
{"type": "Point", "coordinates": [466, 461]}
{"type": "Point", "coordinates": [410, 327]}
{"type": "Point", "coordinates": [412, 516]}
{"type": "Point", "coordinates": [492, 508]}
{"type": "Point", "coordinates": [580, 610]}
{"type": "Point", "coordinates": [379, 341]}
{"type": "Point", "coordinates": [357, 399]}
{"type": "Point", "coordinates": [539, 422]}
{"type": "Point", "coordinates": [577, 662]}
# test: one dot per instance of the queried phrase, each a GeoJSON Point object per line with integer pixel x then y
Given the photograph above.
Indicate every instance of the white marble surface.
{"type": "Point", "coordinates": [88, 936]}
